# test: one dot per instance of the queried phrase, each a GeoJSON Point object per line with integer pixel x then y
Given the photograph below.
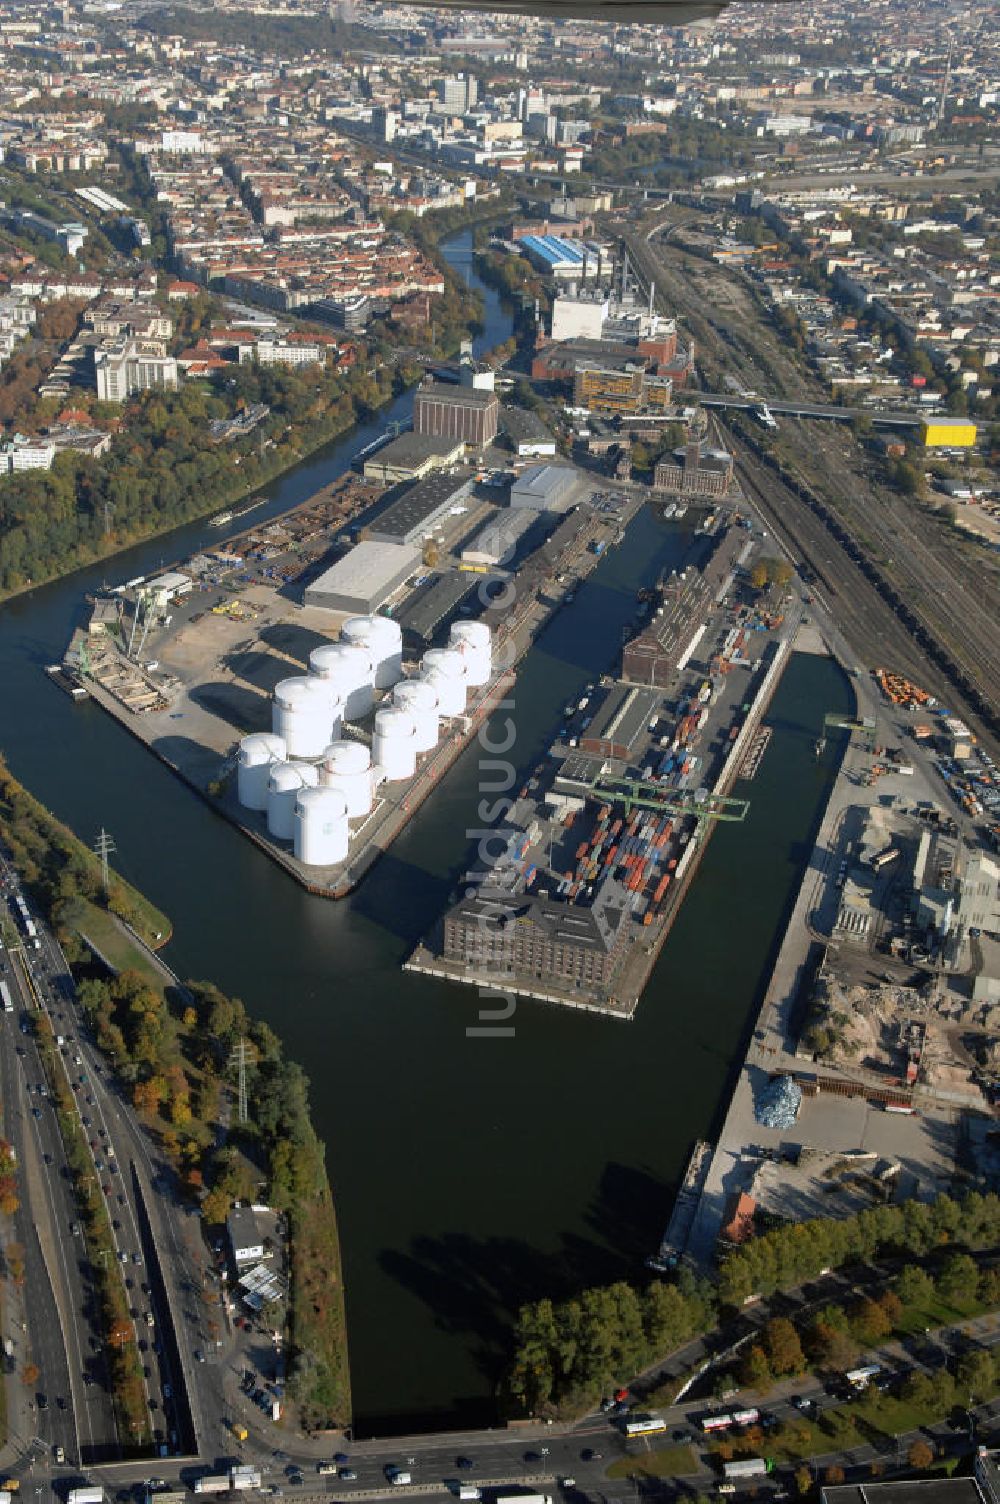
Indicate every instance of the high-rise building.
{"type": "Point", "coordinates": [458, 94]}
{"type": "Point", "coordinates": [127, 366]}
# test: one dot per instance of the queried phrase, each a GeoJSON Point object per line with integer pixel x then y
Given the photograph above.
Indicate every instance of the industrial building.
{"type": "Point", "coordinates": [530, 935]}
{"type": "Point", "coordinates": [654, 656]}
{"type": "Point", "coordinates": [618, 727]}
{"type": "Point", "coordinates": [527, 434]}
{"type": "Point", "coordinates": [431, 606]}
{"type": "Point", "coordinates": [948, 433]}
{"type": "Point", "coordinates": [412, 517]}
{"type": "Point", "coordinates": [579, 316]}
{"type": "Point", "coordinates": [693, 471]}
{"type": "Point", "coordinates": [496, 542]}
{"type": "Point", "coordinates": [544, 488]}
{"type": "Point", "coordinates": [364, 578]}
{"type": "Point", "coordinates": [620, 386]}
{"type": "Point", "coordinates": [411, 456]}
{"type": "Point", "coordinates": [463, 413]}
{"type": "Point", "coordinates": [562, 258]}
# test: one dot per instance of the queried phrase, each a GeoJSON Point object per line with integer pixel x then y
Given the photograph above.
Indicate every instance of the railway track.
{"type": "Point", "coordinates": [876, 623]}
{"type": "Point", "coordinates": [903, 593]}
{"type": "Point", "coordinates": [933, 589]}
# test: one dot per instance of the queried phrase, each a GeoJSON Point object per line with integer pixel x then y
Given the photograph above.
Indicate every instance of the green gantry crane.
{"type": "Point", "coordinates": [865, 727]}
{"type": "Point", "coordinates": [636, 793]}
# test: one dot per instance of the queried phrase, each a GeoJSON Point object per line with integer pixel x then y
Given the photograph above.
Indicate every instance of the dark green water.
{"type": "Point", "coordinates": [470, 1173]}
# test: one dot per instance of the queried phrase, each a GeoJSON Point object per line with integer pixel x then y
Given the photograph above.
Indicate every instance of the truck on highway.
{"type": "Point", "coordinates": [211, 1483]}
{"type": "Point", "coordinates": [91, 1493]}
{"type": "Point", "coordinates": [5, 998]}
{"type": "Point", "coordinates": [167, 1496]}
{"type": "Point", "coordinates": [244, 1477]}
{"type": "Point", "coordinates": [523, 1499]}
{"type": "Point", "coordinates": [752, 1467]}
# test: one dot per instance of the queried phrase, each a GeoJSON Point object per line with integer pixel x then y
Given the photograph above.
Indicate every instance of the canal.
{"type": "Point", "coordinates": [470, 1173]}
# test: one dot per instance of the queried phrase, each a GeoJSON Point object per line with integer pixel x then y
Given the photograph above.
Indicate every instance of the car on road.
{"type": "Point", "coordinates": [168, 1393]}
{"type": "Point", "coordinates": [347, 1474]}
{"type": "Point", "coordinates": [137, 1258]}
{"type": "Point", "coordinates": [42, 1401]}
{"type": "Point", "coordinates": [464, 1462]}
{"type": "Point", "coordinates": [36, 1112]}
{"type": "Point", "coordinates": [589, 1455]}
{"type": "Point", "coordinates": [199, 1356]}
{"type": "Point", "coordinates": [123, 1257]}
{"type": "Point", "coordinates": [74, 1228]}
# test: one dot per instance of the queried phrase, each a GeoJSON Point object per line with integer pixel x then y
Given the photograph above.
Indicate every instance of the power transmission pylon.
{"type": "Point", "coordinates": [242, 1054]}
{"type": "Point", "coordinates": [104, 846]}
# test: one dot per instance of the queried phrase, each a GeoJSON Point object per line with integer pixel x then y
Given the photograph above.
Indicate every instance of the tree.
{"type": "Point", "coordinates": [914, 1286]}
{"type": "Point", "coordinates": [831, 1346]}
{"type": "Point", "coordinates": [758, 575]}
{"type": "Point", "coordinates": [755, 1371]}
{"type": "Point", "coordinates": [976, 1373]}
{"type": "Point", "coordinates": [782, 1346]}
{"type": "Point", "coordinates": [869, 1322]}
{"type": "Point", "coordinates": [958, 1279]}
{"type": "Point", "coordinates": [834, 1475]}
{"type": "Point", "coordinates": [803, 1481]}
{"type": "Point", "coordinates": [920, 1456]}
{"type": "Point", "coordinates": [29, 1374]}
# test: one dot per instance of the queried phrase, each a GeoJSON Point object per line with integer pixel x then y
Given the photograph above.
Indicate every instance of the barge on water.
{"type": "Point", "coordinates": [68, 681]}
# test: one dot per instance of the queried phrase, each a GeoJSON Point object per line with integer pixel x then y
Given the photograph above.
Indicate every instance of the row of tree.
{"type": "Point", "coordinates": [795, 1252]}
{"type": "Point", "coordinates": [566, 1355]}
{"type": "Point", "coordinates": [834, 1338]}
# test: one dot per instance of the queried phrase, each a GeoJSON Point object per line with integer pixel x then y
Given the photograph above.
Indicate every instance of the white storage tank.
{"type": "Point", "coordinates": [321, 832]}
{"type": "Point", "coordinates": [347, 766]}
{"type": "Point", "coordinates": [382, 638]}
{"type": "Point", "coordinates": [286, 782]}
{"type": "Point", "coordinates": [454, 673]}
{"type": "Point", "coordinates": [472, 639]}
{"type": "Point", "coordinates": [419, 700]}
{"type": "Point", "coordinates": [304, 713]}
{"type": "Point", "coordinates": [394, 744]}
{"type": "Point", "coordinates": [257, 754]}
{"type": "Point", "coordinates": [350, 671]}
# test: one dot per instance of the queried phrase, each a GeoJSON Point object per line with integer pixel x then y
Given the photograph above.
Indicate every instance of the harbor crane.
{"type": "Point", "coordinates": [865, 727]}
{"type": "Point", "coordinates": [637, 793]}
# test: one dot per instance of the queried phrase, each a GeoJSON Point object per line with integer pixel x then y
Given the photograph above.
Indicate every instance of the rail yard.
{"type": "Point", "coordinates": [908, 588]}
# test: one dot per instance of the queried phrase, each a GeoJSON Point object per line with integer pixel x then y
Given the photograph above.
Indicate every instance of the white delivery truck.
{"type": "Point", "coordinates": [92, 1493]}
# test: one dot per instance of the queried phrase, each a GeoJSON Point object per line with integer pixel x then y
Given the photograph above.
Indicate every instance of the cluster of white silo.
{"type": "Point", "coordinates": [307, 780]}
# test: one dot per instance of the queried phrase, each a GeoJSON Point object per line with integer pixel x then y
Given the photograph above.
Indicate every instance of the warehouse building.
{"type": "Point", "coordinates": [497, 542]}
{"type": "Point", "coordinates": [413, 517]}
{"type": "Point", "coordinates": [619, 726]}
{"type": "Point", "coordinates": [692, 471]}
{"type": "Point", "coordinates": [532, 936]}
{"type": "Point", "coordinates": [411, 456]}
{"type": "Point", "coordinates": [544, 488]}
{"type": "Point", "coordinates": [652, 657]}
{"type": "Point", "coordinates": [429, 608]}
{"type": "Point", "coordinates": [464, 413]}
{"type": "Point", "coordinates": [527, 434]}
{"type": "Point", "coordinates": [364, 578]}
